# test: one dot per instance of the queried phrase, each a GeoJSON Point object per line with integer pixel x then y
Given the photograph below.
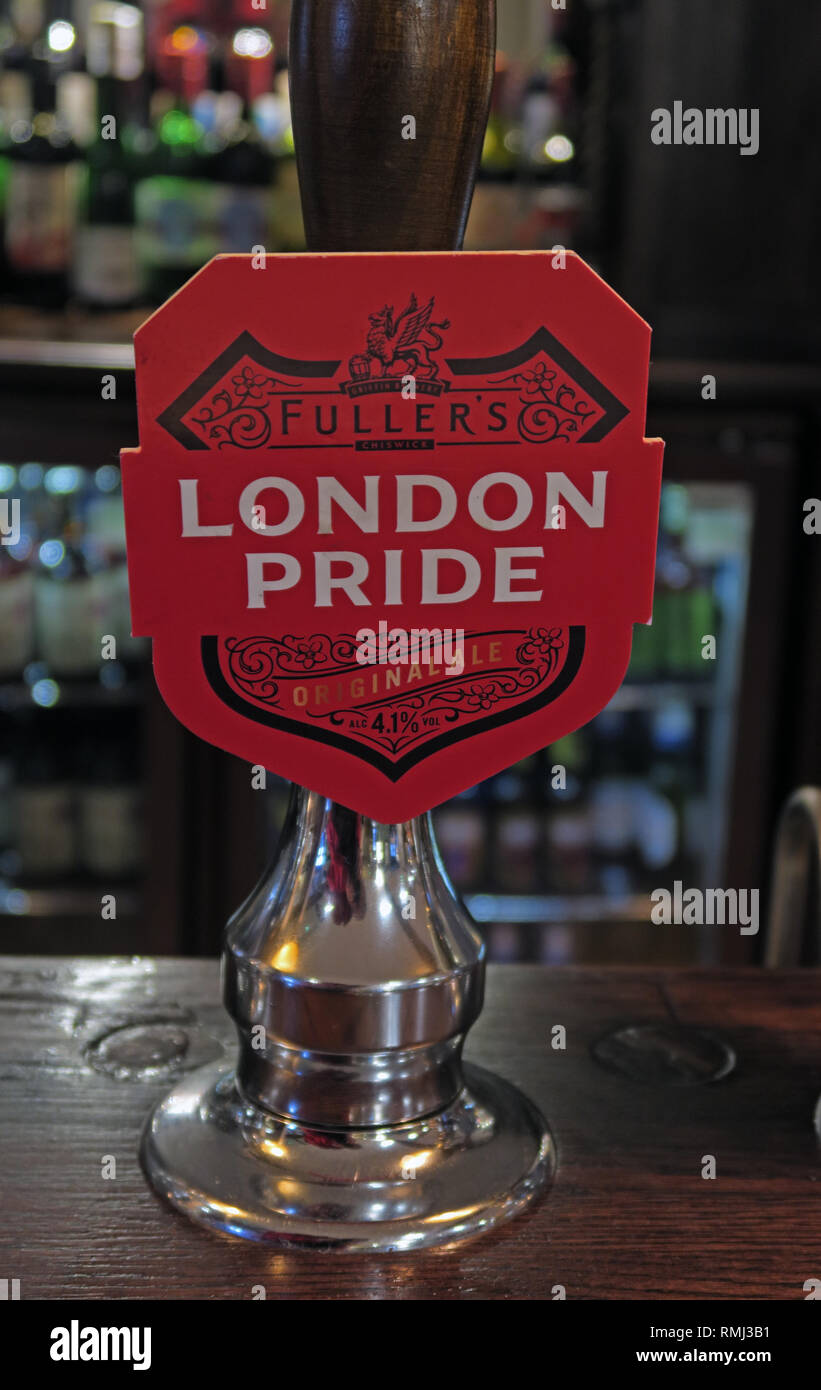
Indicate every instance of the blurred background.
{"type": "Point", "coordinates": [681, 777]}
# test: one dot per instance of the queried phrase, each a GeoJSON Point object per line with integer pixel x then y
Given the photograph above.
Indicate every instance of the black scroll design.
{"type": "Point", "coordinates": [542, 645]}
{"type": "Point", "coordinates": [538, 656]}
{"type": "Point", "coordinates": [257, 665]}
{"type": "Point", "coordinates": [239, 417]}
{"type": "Point", "coordinates": [550, 412]}
{"type": "Point", "coordinates": [363, 745]}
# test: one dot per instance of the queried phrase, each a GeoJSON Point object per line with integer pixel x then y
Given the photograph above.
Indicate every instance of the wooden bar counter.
{"type": "Point", "coordinates": [88, 1044]}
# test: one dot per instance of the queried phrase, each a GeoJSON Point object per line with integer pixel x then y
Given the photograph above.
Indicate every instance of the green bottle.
{"type": "Point", "coordinates": [106, 270]}
{"type": "Point", "coordinates": [174, 201]}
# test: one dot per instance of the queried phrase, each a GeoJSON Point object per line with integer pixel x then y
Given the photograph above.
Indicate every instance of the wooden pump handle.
{"type": "Point", "coordinates": [367, 76]}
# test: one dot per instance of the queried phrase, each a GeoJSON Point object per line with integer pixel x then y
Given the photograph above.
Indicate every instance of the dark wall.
{"type": "Point", "coordinates": [719, 250]}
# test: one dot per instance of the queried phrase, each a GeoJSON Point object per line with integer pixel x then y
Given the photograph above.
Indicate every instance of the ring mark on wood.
{"type": "Point", "coordinates": [138, 1051]}
{"type": "Point", "coordinates": [665, 1055]}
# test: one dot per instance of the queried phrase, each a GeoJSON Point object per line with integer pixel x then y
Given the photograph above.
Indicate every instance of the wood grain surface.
{"type": "Point", "coordinates": [629, 1214]}
{"type": "Point", "coordinates": [358, 68]}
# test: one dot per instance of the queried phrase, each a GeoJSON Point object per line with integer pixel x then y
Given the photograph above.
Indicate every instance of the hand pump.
{"type": "Point", "coordinates": [352, 972]}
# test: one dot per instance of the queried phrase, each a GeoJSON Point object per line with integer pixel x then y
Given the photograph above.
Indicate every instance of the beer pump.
{"type": "Point", "coordinates": [301, 418]}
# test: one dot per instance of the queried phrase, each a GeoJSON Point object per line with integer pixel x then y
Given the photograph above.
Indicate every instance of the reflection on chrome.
{"type": "Point", "coordinates": [352, 974]}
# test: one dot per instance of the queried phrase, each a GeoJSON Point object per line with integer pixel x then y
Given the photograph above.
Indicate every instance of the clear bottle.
{"type": "Point", "coordinates": [105, 530]}
{"type": "Point", "coordinates": [16, 593]}
{"type": "Point", "coordinates": [72, 614]}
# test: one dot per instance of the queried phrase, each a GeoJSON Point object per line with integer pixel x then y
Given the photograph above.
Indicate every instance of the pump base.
{"type": "Point", "coordinates": [245, 1172]}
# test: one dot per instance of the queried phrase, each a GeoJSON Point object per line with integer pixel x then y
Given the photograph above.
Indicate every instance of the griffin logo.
{"type": "Point", "coordinates": [402, 346]}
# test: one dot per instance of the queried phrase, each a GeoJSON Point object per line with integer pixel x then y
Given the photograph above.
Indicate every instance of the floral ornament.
{"type": "Point", "coordinates": [551, 408]}
{"type": "Point", "coordinates": [536, 383]}
{"type": "Point", "coordinates": [547, 639]}
{"type": "Point", "coordinates": [543, 645]}
{"type": "Point", "coordinates": [308, 652]}
{"type": "Point", "coordinates": [240, 417]}
{"type": "Point", "coordinates": [479, 697]}
{"type": "Point", "coordinates": [250, 384]}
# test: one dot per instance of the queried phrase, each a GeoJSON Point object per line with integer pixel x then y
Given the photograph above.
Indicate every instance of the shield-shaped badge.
{"type": "Point", "coordinates": [363, 532]}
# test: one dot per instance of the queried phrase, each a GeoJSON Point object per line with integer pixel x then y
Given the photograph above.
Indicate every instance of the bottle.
{"type": "Point", "coordinates": [462, 835]}
{"type": "Point", "coordinates": [539, 119]}
{"type": "Point", "coordinates": [494, 209]}
{"type": "Point", "coordinates": [105, 531]}
{"type": "Point", "coordinates": [9, 860]}
{"type": "Point", "coordinates": [16, 591]}
{"type": "Point", "coordinates": [568, 829]}
{"type": "Point", "coordinates": [59, 39]}
{"type": "Point", "coordinates": [41, 205]}
{"type": "Point", "coordinates": [566, 765]}
{"type": "Point", "coordinates": [645, 663]}
{"type": "Point", "coordinates": [173, 198]}
{"type": "Point", "coordinates": [568, 850]}
{"type": "Point", "coordinates": [547, 123]}
{"type": "Point", "coordinates": [671, 784]}
{"type": "Point", "coordinates": [518, 858]}
{"type": "Point", "coordinates": [43, 511]}
{"type": "Point", "coordinates": [106, 269]}
{"type": "Point", "coordinates": [15, 111]}
{"type": "Point", "coordinates": [675, 584]}
{"type": "Point", "coordinates": [19, 26]}
{"type": "Point", "coordinates": [109, 804]}
{"type": "Point", "coordinates": [9, 36]}
{"type": "Point", "coordinates": [272, 118]}
{"type": "Point", "coordinates": [516, 784]}
{"type": "Point", "coordinates": [277, 799]}
{"type": "Point", "coordinates": [500, 142]}
{"type": "Point", "coordinates": [242, 167]}
{"type": "Point", "coordinates": [70, 606]}
{"type": "Point", "coordinates": [506, 943]}
{"type": "Point", "coordinates": [613, 805]}
{"type": "Point", "coordinates": [704, 619]}
{"type": "Point", "coordinates": [45, 815]}
{"type": "Point", "coordinates": [516, 862]}
{"type": "Point", "coordinates": [73, 83]}
{"type": "Point", "coordinates": [77, 108]}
